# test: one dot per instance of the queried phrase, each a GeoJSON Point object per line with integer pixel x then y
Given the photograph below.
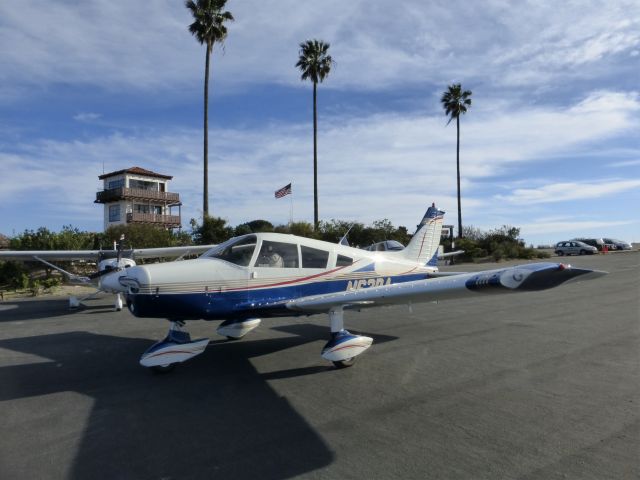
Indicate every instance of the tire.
{"type": "Point", "coordinates": [163, 369]}
{"type": "Point", "coordinates": [560, 253]}
{"type": "Point", "coordinates": [345, 363]}
{"type": "Point", "coordinates": [583, 252]}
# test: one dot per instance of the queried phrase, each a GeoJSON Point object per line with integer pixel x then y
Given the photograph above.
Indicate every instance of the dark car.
{"type": "Point", "coordinates": [574, 247]}
{"type": "Point", "coordinates": [594, 242]}
{"type": "Point", "coordinates": [617, 244]}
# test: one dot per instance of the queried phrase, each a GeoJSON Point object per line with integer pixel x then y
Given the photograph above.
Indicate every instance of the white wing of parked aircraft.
{"type": "Point", "coordinates": [265, 275]}
{"type": "Point", "coordinates": [108, 262]}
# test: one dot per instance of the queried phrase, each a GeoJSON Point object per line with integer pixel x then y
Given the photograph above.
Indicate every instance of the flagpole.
{"type": "Point", "coordinates": [291, 209]}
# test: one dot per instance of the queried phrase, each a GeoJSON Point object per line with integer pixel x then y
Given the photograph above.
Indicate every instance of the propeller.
{"type": "Point", "coordinates": [117, 266]}
{"type": "Point", "coordinates": [119, 257]}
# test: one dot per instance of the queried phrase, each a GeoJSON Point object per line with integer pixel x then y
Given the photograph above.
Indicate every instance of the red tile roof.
{"type": "Point", "coordinates": [136, 171]}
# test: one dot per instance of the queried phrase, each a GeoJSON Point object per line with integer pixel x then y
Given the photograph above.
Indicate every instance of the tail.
{"type": "Point", "coordinates": [423, 247]}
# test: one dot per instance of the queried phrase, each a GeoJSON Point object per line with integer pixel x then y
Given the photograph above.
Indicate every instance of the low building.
{"type": "Point", "coordinates": [136, 195]}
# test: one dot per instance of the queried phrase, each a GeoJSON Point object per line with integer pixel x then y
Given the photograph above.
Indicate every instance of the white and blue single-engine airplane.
{"type": "Point", "coordinates": [266, 275]}
{"type": "Point", "coordinates": [109, 263]}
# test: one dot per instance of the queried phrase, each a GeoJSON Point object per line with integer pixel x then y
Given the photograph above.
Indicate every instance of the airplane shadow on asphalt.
{"type": "Point", "coordinates": [35, 309]}
{"type": "Point", "coordinates": [216, 417]}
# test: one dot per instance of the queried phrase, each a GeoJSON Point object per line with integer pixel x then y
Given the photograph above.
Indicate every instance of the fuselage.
{"type": "Point", "coordinates": [256, 275]}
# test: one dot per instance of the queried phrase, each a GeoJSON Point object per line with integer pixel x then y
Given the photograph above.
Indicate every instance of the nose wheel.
{"type": "Point", "coordinates": [175, 348]}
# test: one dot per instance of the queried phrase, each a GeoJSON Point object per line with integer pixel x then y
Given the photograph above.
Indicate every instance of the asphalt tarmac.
{"type": "Point", "coordinates": [527, 386]}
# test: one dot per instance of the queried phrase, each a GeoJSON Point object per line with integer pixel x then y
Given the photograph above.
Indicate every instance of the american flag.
{"type": "Point", "coordinates": [286, 190]}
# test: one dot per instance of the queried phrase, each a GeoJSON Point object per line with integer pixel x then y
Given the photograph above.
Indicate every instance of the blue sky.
{"type": "Point", "coordinates": [551, 143]}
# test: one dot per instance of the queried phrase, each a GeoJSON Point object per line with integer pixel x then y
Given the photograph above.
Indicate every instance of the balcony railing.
{"type": "Point", "coordinates": [154, 218]}
{"type": "Point", "coordinates": [120, 193]}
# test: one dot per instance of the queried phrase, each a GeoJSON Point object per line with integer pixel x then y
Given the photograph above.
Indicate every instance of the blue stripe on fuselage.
{"type": "Point", "coordinates": [268, 302]}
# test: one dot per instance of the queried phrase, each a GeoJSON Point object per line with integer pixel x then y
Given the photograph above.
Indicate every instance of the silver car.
{"type": "Point", "coordinates": [574, 247]}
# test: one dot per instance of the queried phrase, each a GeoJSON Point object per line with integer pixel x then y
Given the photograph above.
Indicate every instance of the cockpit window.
{"type": "Point", "coordinates": [237, 250]}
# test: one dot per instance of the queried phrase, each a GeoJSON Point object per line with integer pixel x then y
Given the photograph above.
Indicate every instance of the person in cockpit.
{"type": "Point", "coordinates": [270, 258]}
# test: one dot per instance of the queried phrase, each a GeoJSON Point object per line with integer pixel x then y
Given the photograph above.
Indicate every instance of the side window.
{"type": "Point", "coordinates": [314, 258]}
{"type": "Point", "coordinates": [278, 255]}
{"type": "Point", "coordinates": [236, 251]}
{"type": "Point", "coordinates": [343, 261]}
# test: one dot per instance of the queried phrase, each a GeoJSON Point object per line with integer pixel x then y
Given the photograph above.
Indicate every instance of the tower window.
{"type": "Point", "coordinates": [114, 213]}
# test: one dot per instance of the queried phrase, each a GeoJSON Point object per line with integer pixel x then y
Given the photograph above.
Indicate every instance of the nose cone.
{"type": "Point", "coordinates": [110, 282]}
{"type": "Point", "coordinates": [163, 290]}
{"type": "Point", "coordinates": [137, 276]}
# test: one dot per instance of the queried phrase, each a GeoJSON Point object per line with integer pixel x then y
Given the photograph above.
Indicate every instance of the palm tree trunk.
{"type": "Point", "coordinates": [315, 158]}
{"type": "Point", "coordinates": [205, 188]}
{"type": "Point", "coordinates": [458, 175]}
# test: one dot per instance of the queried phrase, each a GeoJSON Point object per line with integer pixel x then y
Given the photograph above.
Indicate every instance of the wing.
{"type": "Point", "coordinates": [530, 277]}
{"type": "Point", "coordinates": [450, 254]}
{"type": "Point", "coordinates": [56, 255]}
{"type": "Point", "coordinates": [167, 252]}
{"type": "Point", "coordinates": [95, 255]}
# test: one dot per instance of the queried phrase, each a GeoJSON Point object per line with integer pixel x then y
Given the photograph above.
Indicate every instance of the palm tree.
{"type": "Point", "coordinates": [455, 102]}
{"type": "Point", "coordinates": [208, 28]}
{"type": "Point", "coordinates": [315, 64]}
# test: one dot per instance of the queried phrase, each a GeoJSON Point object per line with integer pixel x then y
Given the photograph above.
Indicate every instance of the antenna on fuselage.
{"type": "Point", "coordinates": [343, 240]}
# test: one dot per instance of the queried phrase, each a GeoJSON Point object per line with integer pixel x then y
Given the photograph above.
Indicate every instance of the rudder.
{"type": "Point", "coordinates": [423, 247]}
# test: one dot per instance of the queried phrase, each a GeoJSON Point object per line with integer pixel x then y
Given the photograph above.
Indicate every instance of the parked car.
{"type": "Point", "coordinates": [618, 244]}
{"type": "Point", "coordinates": [574, 247]}
{"type": "Point", "coordinates": [594, 242]}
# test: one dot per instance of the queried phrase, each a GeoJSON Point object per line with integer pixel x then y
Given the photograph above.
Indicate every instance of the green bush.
{"type": "Point", "coordinates": [498, 244]}
{"type": "Point", "coordinates": [213, 230]}
{"type": "Point", "coordinates": [51, 283]}
{"type": "Point", "coordinates": [20, 282]}
{"type": "Point", "coordinates": [34, 287]}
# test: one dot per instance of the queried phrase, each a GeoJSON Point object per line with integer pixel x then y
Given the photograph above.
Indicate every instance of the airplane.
{"type": "Point", "coordinates": [265, 275]}
{"type": "Point", "coordinates": [108, 262]}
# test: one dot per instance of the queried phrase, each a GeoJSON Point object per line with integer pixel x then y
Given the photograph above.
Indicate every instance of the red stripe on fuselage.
{"type": "Point", "coordinates": [289, 282]}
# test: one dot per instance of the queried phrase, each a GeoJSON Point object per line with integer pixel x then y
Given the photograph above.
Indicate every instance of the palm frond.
{"type": "Point", "coordinates": [314, 62]}
{"type": "Point", "coordinates": [209, 18]}
{"type": "Point", "coordinates": [455, 101]}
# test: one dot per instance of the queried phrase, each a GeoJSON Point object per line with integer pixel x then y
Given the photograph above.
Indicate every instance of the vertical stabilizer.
{"type": "Point", "coordinates": [423, 247]}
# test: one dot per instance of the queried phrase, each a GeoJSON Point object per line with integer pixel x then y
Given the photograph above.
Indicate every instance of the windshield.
{"type": "Point", "coordinates": [238, 250]}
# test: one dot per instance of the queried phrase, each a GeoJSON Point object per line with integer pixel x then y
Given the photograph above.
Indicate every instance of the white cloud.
{"type": "Point", "coordinates": [87, 117]}
{"type": "Point", "coordinates": [119, 44]}
{"type": "Point", "coordinates": [566, 191]}
{"type": "Point", "coordinates": [371, 167]}
{"type": "Point", "coordinates": [626, 163]}
{"type": "Point", "coordinates": [569, 225]}
{"type": "Point", "coordinates": [606, 101]}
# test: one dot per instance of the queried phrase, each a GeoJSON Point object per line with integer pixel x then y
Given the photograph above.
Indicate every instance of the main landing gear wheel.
{"type": "Point", "coordinates": [162, 369]}
{"type": "Point", "coordinates": [349, 362]}
{"type": "Point", "coordinates": [176, 347]}
{"type": "Point", "coordinates": [343, 347]}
